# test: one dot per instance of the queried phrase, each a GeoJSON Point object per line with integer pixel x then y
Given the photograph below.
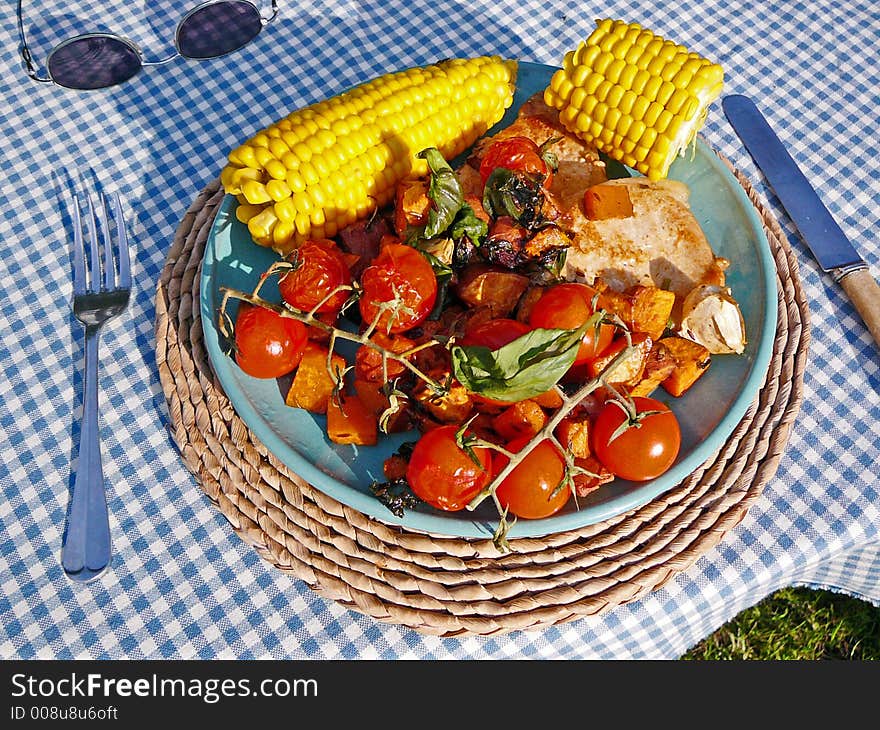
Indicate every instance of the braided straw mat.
{"type": "Point", "coordinates": [450, 586]}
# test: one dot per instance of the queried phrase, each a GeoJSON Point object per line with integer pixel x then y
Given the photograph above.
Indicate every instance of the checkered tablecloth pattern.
{"type": "Point", "coordinates": [182, 584]}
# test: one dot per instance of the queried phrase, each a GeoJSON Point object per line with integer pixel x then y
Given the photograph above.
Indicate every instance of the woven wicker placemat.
{"type": "Point", "coordinates": [452, 586]}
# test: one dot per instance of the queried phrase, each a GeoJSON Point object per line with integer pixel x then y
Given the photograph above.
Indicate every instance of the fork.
{"type": "Point", "coordinates": [101, 291]}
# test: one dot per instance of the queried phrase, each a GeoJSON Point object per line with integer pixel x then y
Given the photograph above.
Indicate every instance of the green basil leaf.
{"type": "Point", "coordinates": [517, 195]}
{"type": "Point", "coordinates": [524, 368]}
{"type": "Point", "coordinates": [467, 224]}
{"type": "Point", "coordinates": [444, 190]}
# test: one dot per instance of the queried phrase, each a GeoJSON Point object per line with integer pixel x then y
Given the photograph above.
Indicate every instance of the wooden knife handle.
{"type": "Point", "coordinates": [864, 292]}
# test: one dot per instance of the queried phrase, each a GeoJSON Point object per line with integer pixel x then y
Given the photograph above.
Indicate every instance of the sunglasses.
{"type": "Point", "coordinates": [98, 60]}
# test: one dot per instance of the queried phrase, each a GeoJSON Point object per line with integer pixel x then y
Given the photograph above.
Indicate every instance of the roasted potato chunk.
{"type": "Point", "coordinates": [691, 361]}
{"type": "Point", "coordinates": [643, 308]}
{"type": "Point", "coordinates": [349, 422]}
{"type": "Point", "coordinates": [484, 285]}
{"type": "Point", "coordinates": [573, 433]}
{"type": "Point", "coordinates": [312, 384]}
{"type": "Point", "coordinates": [454, 406]}
{"type": "Point", "coordinates": [412, 204]}
{"type": "Point", "coordinates": [658, 366]}
{"type": "Point", "coordinates": [629, 370]}
{"type": "Point", "coordinates": [524, 418]}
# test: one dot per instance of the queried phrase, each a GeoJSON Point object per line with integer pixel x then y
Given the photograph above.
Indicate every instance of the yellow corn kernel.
{"type": "Point", "coordinates": [244, 212]}
{"type": "Point", "coordinates": [243, 156]}
{"type": "Point", "coordinates": [263, 155]}
{"type": "Point", "coordinates": [639, 98]}
{"type": "Point", "coordinates": [276, 169]}
{"type": "Point", "coordinates": [278, 147]}
{"type": "Point", "coordinates": [255, 192]}
{"type": "Point", "coordinates": [285, 210]}
{"type": "Point", "coordinates": [277, 190]}
{"type": "Point", "coordinates": [261, 225]}
{"type": "Point", "coordinates": [282, 233]}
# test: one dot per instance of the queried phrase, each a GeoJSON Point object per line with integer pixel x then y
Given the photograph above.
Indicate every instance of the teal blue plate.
{"type": "Point", "coordinates": [708, 412]}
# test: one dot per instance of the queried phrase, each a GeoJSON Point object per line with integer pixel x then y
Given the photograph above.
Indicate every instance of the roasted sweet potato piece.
{"type": "Point", "coordinates": [411, 204]}
{"type": "Point", "coordinates": [629, 370]}
{"type": "Point", "coordinates": [691, 361]}
{"type": "Point", "coordinates": [607, 201]}
{"type": "Point", "coordinates": [547, 239]}
{"type": "Point", "coordinates": [377, 404]}
{"type": "Point", "coordinates": [349, 422]}
{"type": "Point", "coordinates": [643, 308]}
{"type": "Point", "coordinates": [658, 367]}
{"type": "Point", "coordinates": [484, 285]}
{"type": "Point", "coordinates": [312, 384]}
{"type": "Point", "coordinates": [524, 418]}
{"type": "Point", "coordinates": [455, 406]}
{"type": "Point", "coordinates": [573, 433]}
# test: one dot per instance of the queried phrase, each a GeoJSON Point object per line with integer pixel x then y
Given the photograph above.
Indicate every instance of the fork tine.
{"type": "Point", "coordinates": [122, 238]}
{"type": "Point", "coordinates": [94, 250]}
{"type": "Point", "coordinates": [79, 264]}
{"type": "Point", "coordinates": [109, 272]}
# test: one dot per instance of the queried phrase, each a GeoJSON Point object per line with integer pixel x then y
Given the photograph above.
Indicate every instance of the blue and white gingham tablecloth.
{"type": "Point", "coordinates": [182, 585]}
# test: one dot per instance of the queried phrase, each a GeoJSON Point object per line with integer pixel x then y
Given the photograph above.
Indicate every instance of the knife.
{"type": "Point", "coordinates": [817, 227]}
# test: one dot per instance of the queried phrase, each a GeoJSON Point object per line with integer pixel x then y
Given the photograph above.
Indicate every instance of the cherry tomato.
{"type": "Point", "coordinates": [402, 269]}
{"type": "Point", "coordinates": [443, 474]}
{"type": "Point", "coordinates": [519, 154]}
{"type": "Point", "coordinates": [530, 490]}
{"type": "Point", "coordinates": [494, 333]}
{"type": "Point", "coordinates": [321, 269]}
{"type": "Point", "coordinates": [568, 306]}
{"type": "Point", "coordinates": [643, 451]}
{"type": "Point", "coordinates": [267, 344]}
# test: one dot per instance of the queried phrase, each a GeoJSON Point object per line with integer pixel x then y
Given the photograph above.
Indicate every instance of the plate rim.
{"type": "Point", "coordinates": [442, 523]}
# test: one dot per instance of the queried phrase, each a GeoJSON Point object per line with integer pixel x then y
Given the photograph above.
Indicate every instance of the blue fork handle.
{"type": "Point", "coordinates": [86, 550]}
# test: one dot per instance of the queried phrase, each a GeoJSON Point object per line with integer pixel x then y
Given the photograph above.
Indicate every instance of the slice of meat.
{"type": "Point", "coordinates": [661, 244]}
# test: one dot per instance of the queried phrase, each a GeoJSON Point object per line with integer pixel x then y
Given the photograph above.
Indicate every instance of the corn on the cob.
{"type": "Point", "coordinates": [637, 97]}
{"type": "Point", "coordinates": [326, 165]}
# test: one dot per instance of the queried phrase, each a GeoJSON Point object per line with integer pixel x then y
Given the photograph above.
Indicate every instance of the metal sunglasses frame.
{"type": "Point", "coordinates": [31, 70]}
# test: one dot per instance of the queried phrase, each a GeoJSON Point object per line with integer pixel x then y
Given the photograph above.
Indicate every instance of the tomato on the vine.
{"type": "Point", "coordinates": [443, 474]}
{"type": "Point", "coordinates": [320, 269]}
{"type": "Point", "coordinates": [518, 154]}
{"type": "Point", "coordinates": [267, 345]}
{"type": "Point", "coordinates": [534, 488]}
{"type": "Point", "coordinates": [568, 306]}
{"type": "Point", "coordinates": [646, 443]}
{"type": "Point", "coordinates": [368, 361]}
{"type": "Point", "coordinates": [399, 271]}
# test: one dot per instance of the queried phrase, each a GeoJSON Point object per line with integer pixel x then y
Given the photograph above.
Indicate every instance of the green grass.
{"type": "Point", "coordinates": [800, 624]}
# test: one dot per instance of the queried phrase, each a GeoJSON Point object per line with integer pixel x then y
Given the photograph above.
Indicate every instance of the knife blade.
{"type": "Point", "coordinates": [817, 227]}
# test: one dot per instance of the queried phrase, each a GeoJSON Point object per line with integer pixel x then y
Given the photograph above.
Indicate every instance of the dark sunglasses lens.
{"type": "Point", "coordinates": [93, 62]}
{"type": "Point", "coordinates": [217, 29]}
